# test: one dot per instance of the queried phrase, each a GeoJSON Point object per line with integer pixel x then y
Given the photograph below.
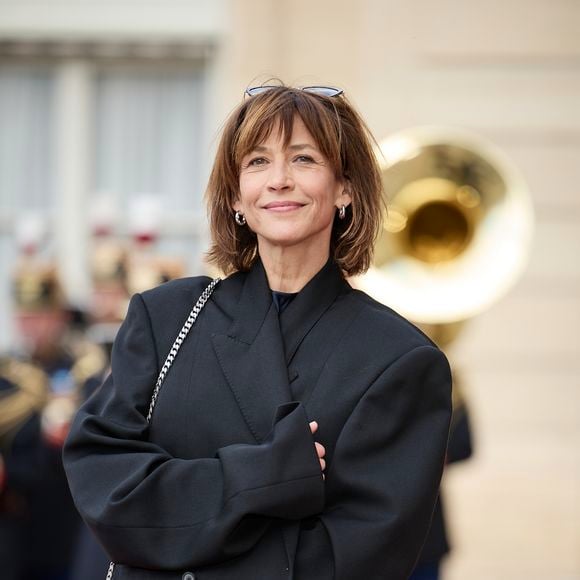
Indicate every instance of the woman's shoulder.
{"type": "Point", "coordinates": [179, 296]}
{"type": "Point", "coordinates": [169, 303]}
{"type": "Point", "coordinates": [177, 291]}
{"type": "Point", "coordinates": [163, 310]}
{"type": "Point", "coordinates": [382, 323]}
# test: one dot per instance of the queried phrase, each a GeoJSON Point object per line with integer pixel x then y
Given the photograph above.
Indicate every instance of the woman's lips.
{"type": "Point", "coordinates": [283, 206]}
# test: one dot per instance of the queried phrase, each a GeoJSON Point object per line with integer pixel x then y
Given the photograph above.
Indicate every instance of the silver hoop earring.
{"type": "Point", "coordinates": [342, 212]}
{"type": "Point", "coordinates": [240, 219]}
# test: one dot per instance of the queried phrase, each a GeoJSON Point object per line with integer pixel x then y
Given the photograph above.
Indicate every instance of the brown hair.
{"type": "Point", "coordinates": [343, 138]}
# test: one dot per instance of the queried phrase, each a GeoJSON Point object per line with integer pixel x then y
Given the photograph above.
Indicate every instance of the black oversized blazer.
{"type": "Point", "coordinates": [225, 484]}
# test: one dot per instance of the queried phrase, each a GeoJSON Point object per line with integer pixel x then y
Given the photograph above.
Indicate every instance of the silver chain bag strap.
{"type": "Point", "coordinates": [169, 361]}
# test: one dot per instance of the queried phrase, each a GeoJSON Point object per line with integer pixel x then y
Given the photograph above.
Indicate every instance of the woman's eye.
{"type": "Point", "coordinates": [256, 162]}
{"type": "Point", "coordinates": [304, 159]}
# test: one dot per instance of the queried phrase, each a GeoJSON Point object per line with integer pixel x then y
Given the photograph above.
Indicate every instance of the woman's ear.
{"type": "Point", "coordinates": [344, 198]}
{"type": "Point", "coordinates": [237, 205]}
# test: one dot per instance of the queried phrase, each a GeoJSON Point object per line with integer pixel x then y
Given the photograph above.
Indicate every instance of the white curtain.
{"type": "Point", "coordinates": [148, 135]}
{"type": "Point", "coordinates": [25, 139]}
{"type": "Point", "coordinates": [26, 166]}
{"type": "Point", "coordinates": [147, 138]}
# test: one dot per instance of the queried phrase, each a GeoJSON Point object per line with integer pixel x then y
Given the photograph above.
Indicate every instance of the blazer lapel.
{"type": "Point", "coordinates": [310, 304]}
{"type": "Point", "coordinates": [251, 355]}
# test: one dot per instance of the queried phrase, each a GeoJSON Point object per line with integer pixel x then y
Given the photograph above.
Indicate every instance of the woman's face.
{"type": "Point", "coordinates": [290, 195]}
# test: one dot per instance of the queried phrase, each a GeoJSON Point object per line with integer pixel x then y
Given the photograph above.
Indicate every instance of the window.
{"type": "Point", "coordinates": [26, 165]}
{"type": "Point", "coordinates": [144, 134]}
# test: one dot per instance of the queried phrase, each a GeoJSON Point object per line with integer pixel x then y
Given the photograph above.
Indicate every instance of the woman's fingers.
{"type": "Point", "coordinates": [320, 450]}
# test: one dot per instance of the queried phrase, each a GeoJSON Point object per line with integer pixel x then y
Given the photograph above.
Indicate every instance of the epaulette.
{"type": "Point", "coordinates": [89, 363]}
{"type": "Point", "coordinates": [27, 397]}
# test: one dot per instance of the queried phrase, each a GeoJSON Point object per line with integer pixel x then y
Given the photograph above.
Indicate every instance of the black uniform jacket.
{"type": "Point", "coordinates": [226, 483]}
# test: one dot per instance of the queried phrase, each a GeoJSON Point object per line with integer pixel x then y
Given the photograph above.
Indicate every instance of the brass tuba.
{"type": "Point", "coordinates": [458, 228]}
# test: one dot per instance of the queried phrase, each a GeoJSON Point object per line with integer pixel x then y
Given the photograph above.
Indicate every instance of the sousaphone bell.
{"type": "Point", "coordinates": [458, 228]}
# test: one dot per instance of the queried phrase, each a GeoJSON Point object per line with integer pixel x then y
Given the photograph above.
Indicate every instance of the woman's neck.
{"type": "Point", "coordinates": [290, 269]}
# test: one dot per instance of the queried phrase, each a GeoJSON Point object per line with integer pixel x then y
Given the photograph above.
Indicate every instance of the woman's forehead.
{"type": "Point", "coordinates": [298, 136]}
{"type": "Point", "coordinates": [291, 131]}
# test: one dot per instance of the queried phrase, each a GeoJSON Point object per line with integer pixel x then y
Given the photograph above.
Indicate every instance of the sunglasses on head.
{"type": "Point", "coordinates": [318, 90]}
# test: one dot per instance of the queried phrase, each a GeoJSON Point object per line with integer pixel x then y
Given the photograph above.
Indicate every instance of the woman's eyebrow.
{"type": "Point", "coordinates": [298, 146]}
{"type": "Point", "coordinates": [294, 147]}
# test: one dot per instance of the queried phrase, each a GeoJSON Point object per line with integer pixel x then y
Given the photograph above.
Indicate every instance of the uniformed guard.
{"type": "Point", "coordinates": [147, 268]}
{"type": "Point", "coordinates": [459, 448]}
{"type": "Point", "coordinates": [108, 266]}
{"type": "Point", "coordinates": [23, 393]}
{"type": "Point", "coordinates": [117, 273]}
{"type": "Point", "coordinates": [63, 359]}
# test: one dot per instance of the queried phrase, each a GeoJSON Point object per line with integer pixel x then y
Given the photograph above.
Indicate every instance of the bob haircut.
{"type": "Point", "coordinates": [345, 141]}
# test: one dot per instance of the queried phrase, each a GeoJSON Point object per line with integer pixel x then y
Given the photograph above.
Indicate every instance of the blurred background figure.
{"type": "Point", "coordinates": [108, 305]}
{"type": "Point", "coordinates": [108, 270]}
{"type": "Point", "coordinates": [147, 268]}
{"type": "Point", "coordinates": [118, 270]}
{"type": "Point", "coordinates": [57, 361]}
{"type": "Point", "coordinates": [23, 392]}
{"type": "Point", "coordinates": [437, 544]}
{"type": "Point", "coordinates": [456, 238]}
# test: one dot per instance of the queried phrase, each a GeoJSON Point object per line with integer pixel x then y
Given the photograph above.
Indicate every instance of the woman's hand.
{"type": "Point", "coordinates": [320, 451]}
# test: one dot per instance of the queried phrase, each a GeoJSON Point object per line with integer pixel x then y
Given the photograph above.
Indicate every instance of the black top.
{"type": "Point", "coordinates": [282, 299]}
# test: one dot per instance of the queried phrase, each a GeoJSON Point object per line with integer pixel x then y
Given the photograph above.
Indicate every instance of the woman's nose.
{"type": "Point", "coordinates": [280, 177]}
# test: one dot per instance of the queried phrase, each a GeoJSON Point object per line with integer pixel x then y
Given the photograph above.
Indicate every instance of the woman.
{"type": "Point", "coordinates": [301, 431]}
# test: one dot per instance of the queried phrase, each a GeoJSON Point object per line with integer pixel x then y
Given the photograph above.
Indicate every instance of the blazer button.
{"type": "Point", "coordinates": [188, 576]}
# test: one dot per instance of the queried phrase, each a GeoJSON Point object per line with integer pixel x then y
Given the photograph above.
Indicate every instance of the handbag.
{"type": "Point", "coordinates": [169, 361]}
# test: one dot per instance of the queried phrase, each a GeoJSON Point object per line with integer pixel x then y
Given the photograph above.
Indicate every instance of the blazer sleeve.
{"type": "Point", "coordinates": [152, 510]}
{"type": "Point", "coordinates": [384, 476]}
